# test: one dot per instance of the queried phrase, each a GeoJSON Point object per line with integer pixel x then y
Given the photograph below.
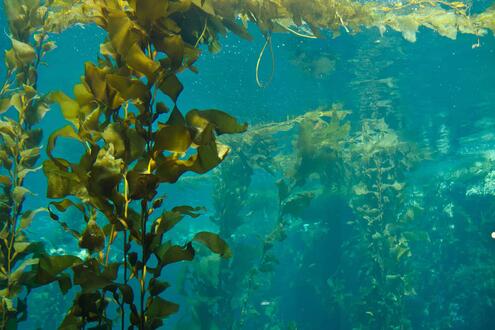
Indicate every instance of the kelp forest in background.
{"type": "Point", "coordinates": [138, 198]}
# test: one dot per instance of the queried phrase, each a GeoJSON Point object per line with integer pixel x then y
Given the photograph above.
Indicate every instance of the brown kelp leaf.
{"type": "Point", "coordinates": [82, 94]}
{"type": "Point", "coordinates": [51, 266]}
{"type": "Point", "coordinates": [138, 61]}
{"type": "Point", "coordinates": [104, 180]}
{"type": "Point", "coordinates": [127, 143]}
{"type": "Point", "coordinates": [214, 243]}
{"type": "Point", "coordinates": [209, 156]}
{"type": "Point", "coordinates": [10, 60]}
{"type": "Point", "coordinates": [92, 238]}
{"type": "Point", "coordinates": [69, 107]}
{"type": "Point", "coordinates": [61, 183]}
{"type": "Point", "coordinates": [222, 122]}
{"type": "Point", "coordinates": [167, 221]}
{"type": "Point", "coordinates": [127, 293]}
{"type": "Point", "coordinates": [168, 254]}
{"type": "Point", "coordinates": [176, 118]}
{"type": "Point", "coordinates": [171, 86]}
{"type": "Point", "coordinates": [193, 212]}
{"type": "Point", "coordinates": [169, 169]}
{"type": "Point", "coordinates": [129, 89]}
{"type": "Point", "coordinates": [155, 287]}
{"type": "Point", "coordinates": [159, 308]}
{"type": "Point", "coordinates": [123, 32]}
{"type": "Point", "coordinates": [141, 185]}
{"type": "Point", "coordinates": [37, 111]}
{"type": "Point", "coordinates": [96, 81]}
{"type": "Point", "coordinates": [172, 138]}
{"type": "Point", "coordinates": [173, 46]}
{"type": "Point", "coordinates": [89, 280]}
{"type": "Point", "coordinates": [170, 218]}
{"type": "Point", "coordinates": [161, 108]}
{"type": "Point", "coordinates": [21, 271]}
{"type": "Point", "coordinates": [148, 11]}
{"type": "Point", "coordinates": [92, 275]}
{"type": "Point", "coordinates": [63, 205]}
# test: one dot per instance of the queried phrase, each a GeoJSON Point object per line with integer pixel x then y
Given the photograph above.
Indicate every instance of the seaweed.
{"type": "Point", "coordinates": [135, 141]}
{"type": "Point", "coordinates": [128, 154]}
{"type": "Point", "coordinates": [22, 108]}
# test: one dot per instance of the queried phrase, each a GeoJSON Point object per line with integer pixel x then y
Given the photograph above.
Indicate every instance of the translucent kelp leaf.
{"type": "Point", "coordinates": [69, 107]}
{"type": "Point", "coordinates": [171, 218]}
{"type": "Point", "coordinates": [67, 131]}
{"type": "Point", "coordinates": [82, 94]}
{"type": "Point", "coordinates": [138, 61]}
{"type": "Point", "coordinates": [173, 138]}
{"type": "Point", "coordinates": [24, 53]}
{"type": "Point", "coordinates": [222, 122]}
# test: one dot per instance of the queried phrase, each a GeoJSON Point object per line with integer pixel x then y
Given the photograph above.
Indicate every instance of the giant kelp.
{"type": "Point", "coordinates": [128, 153]}
{"type": "Point", "coordinates": [22, 107]}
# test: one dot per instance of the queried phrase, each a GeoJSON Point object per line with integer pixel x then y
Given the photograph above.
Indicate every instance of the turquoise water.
{"type": "Point", "coordinates": [421, 137]}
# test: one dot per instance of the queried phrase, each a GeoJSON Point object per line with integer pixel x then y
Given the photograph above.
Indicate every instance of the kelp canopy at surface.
{"type": "Point", "coordinates": [448, 18]}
